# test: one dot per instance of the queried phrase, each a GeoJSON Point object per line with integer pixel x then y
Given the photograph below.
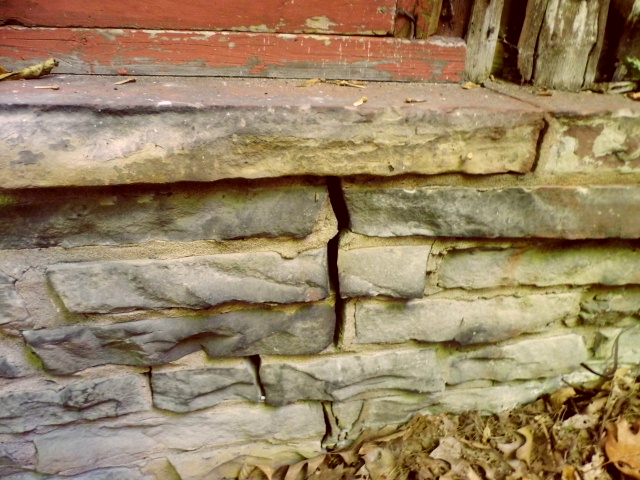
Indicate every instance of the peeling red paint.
{"type": "Point", "coordinates": [148, 52]}
{"type": "Point", "coordinates": [328, 16]}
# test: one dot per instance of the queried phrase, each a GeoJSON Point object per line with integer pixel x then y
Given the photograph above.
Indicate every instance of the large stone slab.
{"type": "Point", "coordinates": [193, 282]}
{"type": "Point", "coordinates": [177, 214]}
{"type": "Point", "coordinates": [464, 321]}
{"type": "Point", "coordinates": [80, 448]}
{"type": "Point", "coordinates": [395, 271]}
{"type": "Point", "coordinates": [26, 410]}
{"type": "Point", "coordinates": [13, 312]}
{"type": "Point", "coordinates": [299, 331]}
{"type": "Point", "coordinates": [190, 389]}
{"type": "Point", "coordinates": [208, 129]}
{"type": "Point", "coordinates": [547, 212]}
{"type": "Point", "coordinates": [576, 264]}
{"type": "Point", "coordinates": [525, 360]}
{"type": "Point", "coordinates": [349, 376]}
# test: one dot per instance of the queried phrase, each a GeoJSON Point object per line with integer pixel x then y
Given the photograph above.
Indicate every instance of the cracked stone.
{"type": "Point", "coordinates": [301, 331]}
{"type": "Point", "coordinates": [13, 311]}
{"type": "Point", "coordinates": [193, 282]}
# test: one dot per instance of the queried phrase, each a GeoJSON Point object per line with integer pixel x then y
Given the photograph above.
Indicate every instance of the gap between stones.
{"type": "Point", "coordinates": [340, 210]}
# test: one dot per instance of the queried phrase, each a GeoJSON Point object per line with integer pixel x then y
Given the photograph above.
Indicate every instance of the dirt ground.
{"type": "Point", "coordinates": [577, 433]}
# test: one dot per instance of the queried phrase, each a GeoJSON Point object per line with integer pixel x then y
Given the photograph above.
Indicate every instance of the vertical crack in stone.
{"type": "Point", "coordinates": [253, 363]}
{"type": "Point", "coordinates": [541, 137]}
{"type": "Point", "coordinates": [339, 205]}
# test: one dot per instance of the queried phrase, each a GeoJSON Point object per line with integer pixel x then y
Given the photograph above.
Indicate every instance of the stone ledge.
{"type": "Point", "coordinates": [163, 130]}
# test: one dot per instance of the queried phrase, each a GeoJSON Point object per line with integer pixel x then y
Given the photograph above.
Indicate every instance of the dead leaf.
{"type": "Point", "coordinates": [311, 82]}
{"type": "Point", "coordinates": [560, 396]}
{"type": "Point", "coordinates": [35, 71]}
{"type": "Point", "coordinates": [360, 102]}
{"type": "Point", "coordinates": [126, 80]}
{"type": "Point", "coordinates": [634, 96]}
{"type": "Point", "coordinates": [47, 87]}
{"type": "Point", "coordinates": [623, 447]}
{"type": "Point", "coordinates": [525, 451]}
{"type": "Point", "coordinates": [380, 463]}
{"type": "Point", "coordinates": [470, 86]}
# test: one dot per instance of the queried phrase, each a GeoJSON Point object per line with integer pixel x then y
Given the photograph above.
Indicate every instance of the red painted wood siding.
{"type": "Point", "coordinates": [152, 52]}
{"type": "Point", "coordinates": [362, 17]}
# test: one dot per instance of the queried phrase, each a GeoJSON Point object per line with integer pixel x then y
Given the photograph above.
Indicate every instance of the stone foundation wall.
{"type": "Point", "coordinates": [180, 330]}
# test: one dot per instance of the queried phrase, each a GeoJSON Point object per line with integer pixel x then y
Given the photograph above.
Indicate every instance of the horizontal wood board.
{"type": "Point", "coordinates": [361, 17]}
{"type": "Point", "coordinates": [153, 52]}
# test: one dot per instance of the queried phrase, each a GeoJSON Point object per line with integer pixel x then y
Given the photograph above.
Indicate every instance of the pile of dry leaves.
{"type": "Point", "coordinates": [577, 433]}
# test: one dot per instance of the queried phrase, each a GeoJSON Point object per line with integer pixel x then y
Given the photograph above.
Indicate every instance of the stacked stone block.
{"type": "Point", "coordinates": [178, 330]}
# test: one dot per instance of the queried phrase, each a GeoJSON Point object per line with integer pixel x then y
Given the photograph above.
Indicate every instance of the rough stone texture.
{"type": "Point", "coordinates": [396, 271]}
{"type": "Point", "coordinates": [208, 130]}
{"type": "Point", "coordinates": [576, 264]}
{"type": "Point", "coordinates": [80, 448]}
{"type": "Point", "coordinates": [26, 410]}
{"type": "Point", "coordinates": [193, 389]}
{"type": "Point", "coordinates": [8, 368]}
{"type": "Point", "coordinates": [628, 344]}
{"type": "Point", "coordinates": [349, 419]}
{"type": "Point", "coordinates": [193, 282]}
{"type": "Point", "coordinates": [349, 376]}
{"type": "Point", "coordinates": [463, 321]}
{"type": "Point", "coordinates": [16, 457]}
{"type": "Point", "coordinates": [525, 360]}
{"type": "Point", "coordinates": [548, 212]}
{"type": "Point", "coordinates": [227, 462]}
{"type": "Point", "coordinates": [301, 331]}
{"type": "Point", "coordinates": [138, 215]}
{"type": "Point", "coordinates": [611, 307]}
{"type": "Point", "coordinates": [13, 311]}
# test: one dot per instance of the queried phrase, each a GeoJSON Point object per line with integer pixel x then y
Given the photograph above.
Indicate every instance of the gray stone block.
{"type": "Point", "coordinates": [547, 212]}
{"type": "Point", "coordinates": [27, 410]}
{"type": "Point", "coordinates": [65, 350]}
{"type": "Point", "coordinates": [464, 321]}
{"type": "Point", "coordinates": [395, 271]}
{"type": "Point", "coordinates": [68, 219]}
{"type": "Point", "coordinates": [341, 377]}
{"type": "Point", "coordinates": [579, 264]}
{"type": "Point", "coordinates": [8, 368]}
{"type": "Point", "coordinates": [611, 307]}
{"type": "Point", "coordinates": [13, 311]}
{"type": "Point", "coordinates": [525, 360]}
{"type": "Point", "coordinates": [80, 448]}
{"type": "Point", "coordinates": [193, 282]}
{"type": "Point", "coordinates": [197, 388]}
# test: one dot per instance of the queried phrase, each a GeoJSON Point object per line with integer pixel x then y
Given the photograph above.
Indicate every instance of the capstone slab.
{"type": "Point", "coordinates": [303, 330]}
{"type": "Point", "coordinates": [192, 282]}
{"type": "Point", "coordinates": [527, 359]}
{"type": "Point", "coordinates": [395, 271]}
{"type": "Point", "coordinates": [463, 321]}
{"type": "Point", "coordinates": [518, 212]}
{"type": "Point", "coordinates": [349, 376]}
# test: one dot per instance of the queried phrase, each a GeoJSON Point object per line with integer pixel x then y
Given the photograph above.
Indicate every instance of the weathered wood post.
{"type": "Point", "coordinates": [482, 38]}
{"type": "Point", "coordinates": [561, 41]}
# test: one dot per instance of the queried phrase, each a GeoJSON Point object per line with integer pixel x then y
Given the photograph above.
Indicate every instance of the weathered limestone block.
{"type": "Point", "coordinates": [628, 344]}
{"type": "Point", "coordinates": [290, 133]}
{"type": "Point", "coordinates": [9, 368]}
{"type": "Point", "coordinates": [227, 462]}
{"type": "Point", "coordinates": [611, 307]}
{"type": "Point", "coordinates": [80, 448]}
{"type": "Point", "coordinates": [525, 360]}
{"type": "Point", "coordinates": [16, 457]}
{"type": "Point", "coordinates": [548, 212]}
{"type": "Point", "coordinates": [396, 271]}
{"type": "Point", "coordinates": [189, 389]}
{"type": "Point", "coordinates": [580, 264]}
{"type": "Point", "coordinates": [299, 331]}
{"type": "Point", "coordinates": [69, 219]}
{"type": "Point", "coordinates": [13, 312]}
{"type": "Point", "coordinates": [463, 321]}
{"type": "Point", "coordinates": [348, 376]}
{"type": "Point", "coordinates": [26, 410]}
{"type": "Point", "coordinates": [193, 282]}
{"type": "Point", "coordinates": [593, 145]}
